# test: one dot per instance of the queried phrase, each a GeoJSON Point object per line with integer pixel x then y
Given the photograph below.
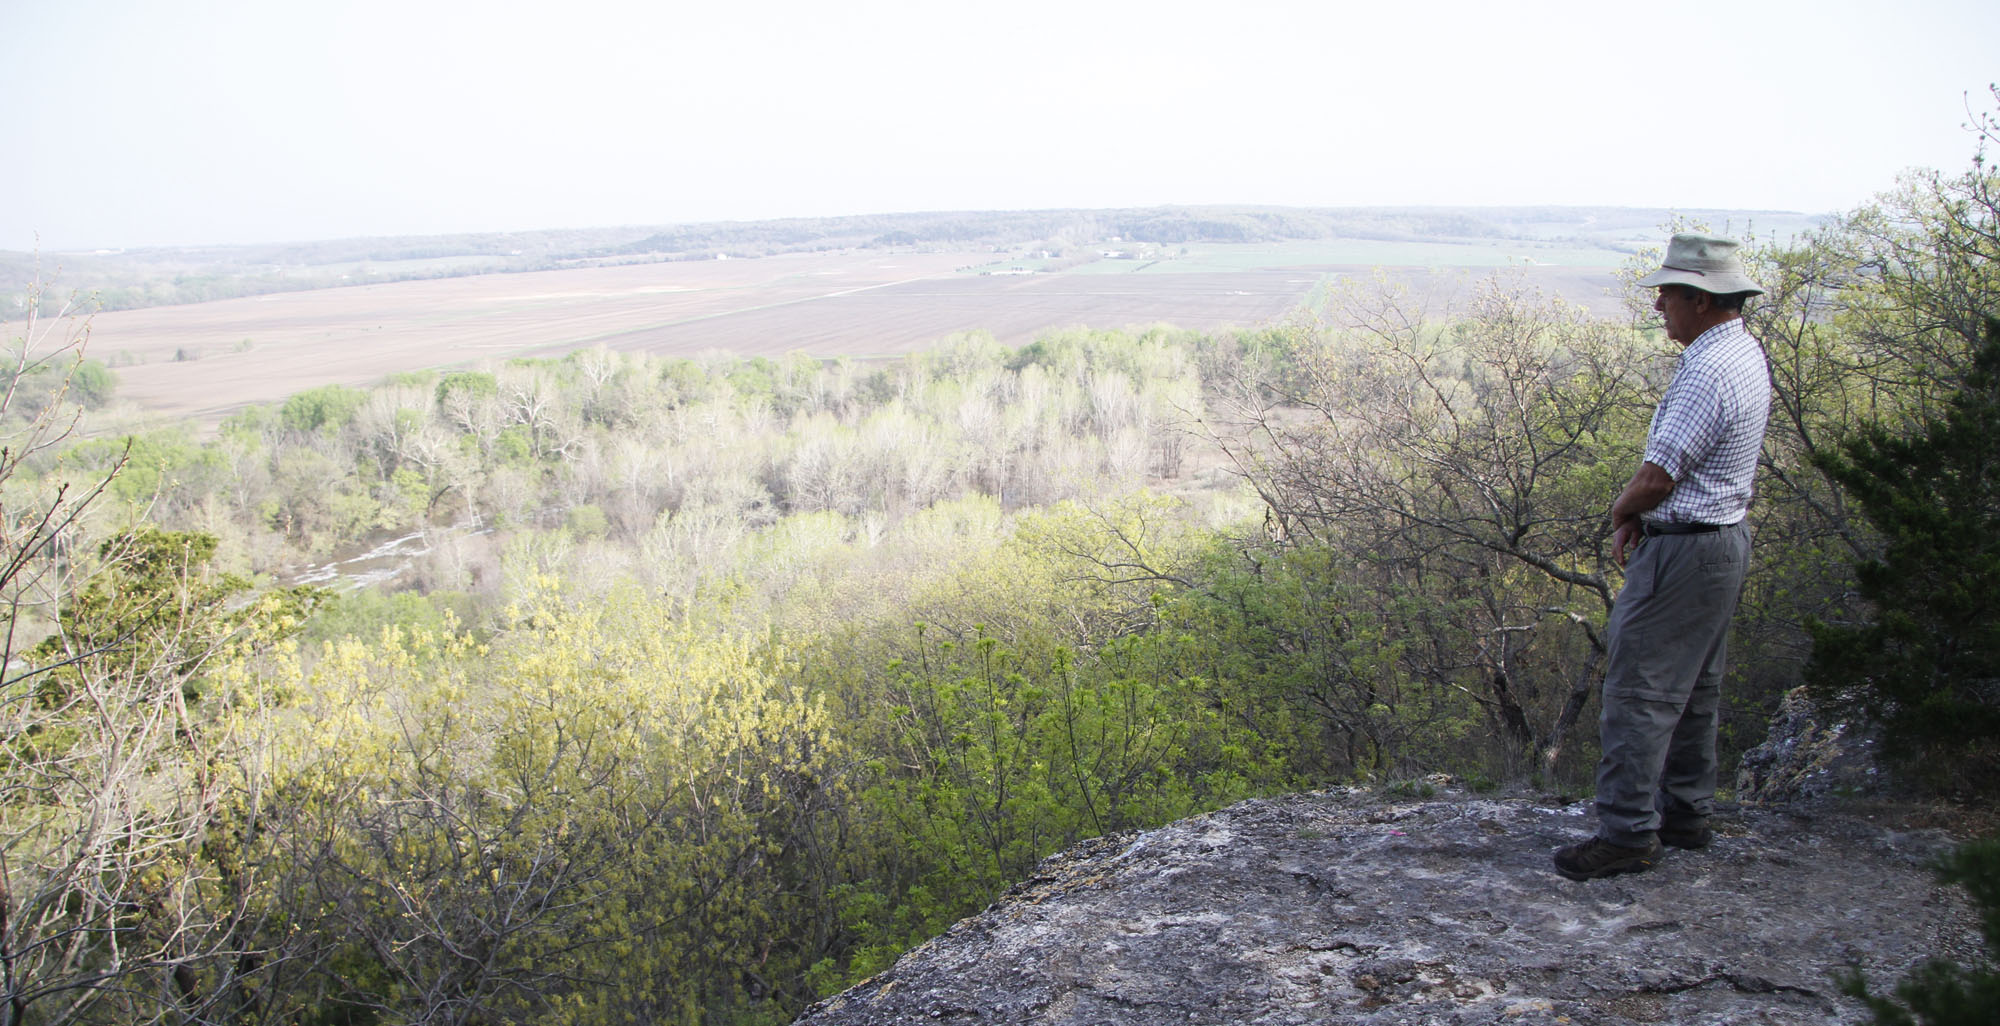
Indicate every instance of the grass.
{"type": "Point", "coordinates": [1409, 789]}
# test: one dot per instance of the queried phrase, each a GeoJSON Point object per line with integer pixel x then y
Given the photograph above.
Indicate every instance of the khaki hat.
{"type": "Point", "coordinates": [1705, 262]}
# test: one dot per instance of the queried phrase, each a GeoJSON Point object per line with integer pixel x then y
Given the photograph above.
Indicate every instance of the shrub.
{"type": "Point", "coordinates": [1927, 666]}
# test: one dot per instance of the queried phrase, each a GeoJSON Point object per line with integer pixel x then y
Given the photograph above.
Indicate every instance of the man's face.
{"type": "Point", "coordinates": [1676, 305]}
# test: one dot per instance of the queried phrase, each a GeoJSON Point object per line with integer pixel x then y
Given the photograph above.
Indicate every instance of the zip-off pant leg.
{"type": "Point", "coordinates": [1668, 640]}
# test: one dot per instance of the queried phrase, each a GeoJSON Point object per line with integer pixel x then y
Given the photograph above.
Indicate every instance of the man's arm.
{"type": "Point", "coordinates": [1649, 487]}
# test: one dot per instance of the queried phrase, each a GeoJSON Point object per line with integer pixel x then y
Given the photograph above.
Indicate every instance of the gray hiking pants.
{"type": "Point", "coordinates": [1668, 637]}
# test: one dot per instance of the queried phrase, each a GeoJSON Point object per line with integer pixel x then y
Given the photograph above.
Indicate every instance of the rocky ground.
{"type": "Point", "coordinates": [1352, 907]}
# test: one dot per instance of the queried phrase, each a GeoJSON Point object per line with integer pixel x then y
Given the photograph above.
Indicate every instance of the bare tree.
{"type": "Point", "coordinates": [112, 783]}
{"type": "Point", "coordinates": [1465, 464]}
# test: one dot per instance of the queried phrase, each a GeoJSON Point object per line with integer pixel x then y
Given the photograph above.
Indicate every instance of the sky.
{"type": "Point", "coordinates": [132, 123]}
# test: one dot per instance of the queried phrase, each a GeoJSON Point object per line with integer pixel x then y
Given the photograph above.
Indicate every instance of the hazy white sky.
{"type": "Point", "coordinates": [148, 122]}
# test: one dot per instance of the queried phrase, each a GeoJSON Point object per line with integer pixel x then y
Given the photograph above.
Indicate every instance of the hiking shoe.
{"type": "Point", "coordinates": [1690, 834]}
{"type": "Point", "coordinates": [1588, 860]}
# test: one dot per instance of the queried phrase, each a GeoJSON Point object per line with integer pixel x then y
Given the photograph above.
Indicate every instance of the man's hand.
{"type": "Point", "coordinates": [1649, 487]}
{"type": "Point", "coordinates": [1630, 533]}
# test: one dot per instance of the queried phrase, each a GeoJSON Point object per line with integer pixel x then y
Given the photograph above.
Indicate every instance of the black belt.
{"type": "Point", "coordinates": [1654, 530]}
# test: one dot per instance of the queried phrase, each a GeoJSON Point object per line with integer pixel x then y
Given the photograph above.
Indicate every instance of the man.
{"type": "Point", "coordinates": [1682, 517]}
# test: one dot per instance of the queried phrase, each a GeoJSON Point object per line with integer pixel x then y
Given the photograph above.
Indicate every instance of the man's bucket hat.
{"type": "Point", "coordinates": [1705, 262]}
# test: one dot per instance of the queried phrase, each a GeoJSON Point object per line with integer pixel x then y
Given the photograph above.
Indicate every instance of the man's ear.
{"type": "Point", "coordinates": [1704, 301]}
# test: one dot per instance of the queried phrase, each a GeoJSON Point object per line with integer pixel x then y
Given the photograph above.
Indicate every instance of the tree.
{"type": "Point", "coordinates": [1928, 665]}
{"type": "Point", "coordinates": [1464, 466]}
{"type": "Point", "coordinates": [327, 408]}
{"type": "Point", "coordinates": [581, 823]}
{"type": "Point", "coordinates": [1924, 261]}
{"type": "Point", "coordinates": [117, 753]}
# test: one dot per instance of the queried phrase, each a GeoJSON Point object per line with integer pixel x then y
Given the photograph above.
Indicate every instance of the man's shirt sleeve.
{"type": "Point", "coordinates": [1688, 425]}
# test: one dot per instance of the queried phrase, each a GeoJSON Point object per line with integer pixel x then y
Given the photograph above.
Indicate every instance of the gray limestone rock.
{"type": "Point", "coordinates": [1346, 907]}
{"type": "Point", "coordinates": [1809, 755]}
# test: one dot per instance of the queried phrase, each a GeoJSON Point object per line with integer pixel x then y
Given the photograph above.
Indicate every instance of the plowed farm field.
{"type": "Point", "coordinates": [203, 361]}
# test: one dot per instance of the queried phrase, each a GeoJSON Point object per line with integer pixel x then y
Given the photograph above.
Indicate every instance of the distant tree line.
{"type": "Point", "coordinates": [155, 277]}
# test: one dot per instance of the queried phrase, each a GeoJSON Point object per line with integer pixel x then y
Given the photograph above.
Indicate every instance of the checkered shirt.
{"type": "Point", "coordinates": [1709, 427]}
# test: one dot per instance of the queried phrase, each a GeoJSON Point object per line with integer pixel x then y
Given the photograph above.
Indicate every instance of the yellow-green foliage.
{"type": "Point", "coordinates": [998, 757]}
{"type": "Point", "coordinates": [570, 824]}
{"type": "Point", "coordinates": [1044, 702]}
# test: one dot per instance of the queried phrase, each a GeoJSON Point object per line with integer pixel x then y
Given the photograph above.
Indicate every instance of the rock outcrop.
{"type": "Point", "coordinates": [1347, 907]}
{"type": "Point", "coordinates": [1809, 755]}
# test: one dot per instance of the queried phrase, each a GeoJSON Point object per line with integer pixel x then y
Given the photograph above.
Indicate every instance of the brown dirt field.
{"type": "Point", "coordinates": [907, 316]}
{"type": "Point", "coordinates": [834, 304]}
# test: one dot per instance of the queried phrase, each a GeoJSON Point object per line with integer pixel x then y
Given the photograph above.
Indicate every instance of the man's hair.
{"type": "Point", "coordinates": [1731, 301]}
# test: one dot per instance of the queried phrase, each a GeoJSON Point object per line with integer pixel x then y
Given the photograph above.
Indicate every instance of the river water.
{"type": "Point", "coordinates": [381, 564]}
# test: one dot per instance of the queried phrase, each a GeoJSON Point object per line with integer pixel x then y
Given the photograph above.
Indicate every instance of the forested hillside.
{"type": "Point", "coordinates": [720, 682]}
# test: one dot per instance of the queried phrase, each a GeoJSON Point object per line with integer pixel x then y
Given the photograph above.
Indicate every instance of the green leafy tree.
{"type": "Point", "coordinates": [999, 757]}
{"type": "Point", "coordinates": [1927, 666]}
{"type": "Point", "coordinates": [1307, 652]}
{"type": "Point", "coordinates": [86, 384]}
{"type": "Point", "coordinates": [327, 408]}
{"type": "Point", "coordinates": [476, 384]}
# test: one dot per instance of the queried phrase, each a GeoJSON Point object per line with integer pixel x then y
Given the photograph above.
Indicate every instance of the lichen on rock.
{"type": "Point", "coordinates": [1809, 755]}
